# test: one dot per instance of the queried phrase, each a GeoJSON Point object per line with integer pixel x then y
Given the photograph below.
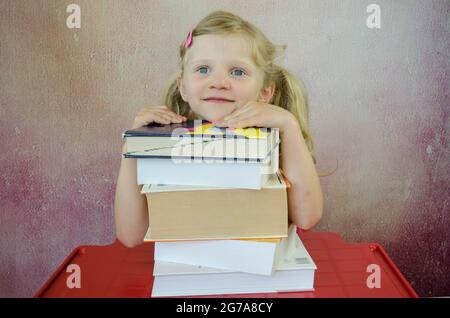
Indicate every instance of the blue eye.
{"type": "Point", "coordinates": [238, 72]}
{"type": "Point", "coordinates": [202, 70]}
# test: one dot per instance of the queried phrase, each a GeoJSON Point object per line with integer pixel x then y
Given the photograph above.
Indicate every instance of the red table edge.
{"type": "Point", "coordinates": [386, 257]}
{"type": "Point", "coordinates": [373, 246]}
{"type": "Point", "coordinates": [394, 267]}
{"type": "Point", "coordinates": [60, 269]}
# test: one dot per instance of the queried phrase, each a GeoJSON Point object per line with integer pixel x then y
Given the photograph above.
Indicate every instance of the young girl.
{"type": "Point", "coordinates": [228, 76]}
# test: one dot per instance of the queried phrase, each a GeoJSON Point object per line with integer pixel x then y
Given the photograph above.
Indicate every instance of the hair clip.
{"type": "Point", "coordinates": [188, 40]}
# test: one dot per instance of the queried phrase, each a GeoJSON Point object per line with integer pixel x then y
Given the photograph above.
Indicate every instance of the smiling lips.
{"type": "Point", "coordinates": [218, 100]}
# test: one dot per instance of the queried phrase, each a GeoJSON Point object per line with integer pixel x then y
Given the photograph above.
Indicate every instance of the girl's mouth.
{"type": "Point", "coordinates": [219, 100]}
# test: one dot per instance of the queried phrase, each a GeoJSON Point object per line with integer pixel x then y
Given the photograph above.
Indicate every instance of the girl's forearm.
{"type": "Point", "coordinates": [130, 206]}
{"type": "Point", "coordinates": [305, 199]}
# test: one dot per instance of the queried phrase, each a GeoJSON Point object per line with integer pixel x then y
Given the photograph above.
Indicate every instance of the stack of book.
{"type": "Point", "coordinates": [218, 210]}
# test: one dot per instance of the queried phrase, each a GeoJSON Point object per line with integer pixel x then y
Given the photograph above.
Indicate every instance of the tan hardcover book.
{"type": "Point", "coordinates": [202, 214]}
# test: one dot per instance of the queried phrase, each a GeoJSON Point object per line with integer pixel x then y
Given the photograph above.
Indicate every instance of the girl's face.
{"type": "Point", "coordinates": [220, 76]}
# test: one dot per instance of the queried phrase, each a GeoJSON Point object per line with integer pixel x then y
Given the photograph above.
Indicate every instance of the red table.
{"type": "Point", "coordinates": [117, 271]}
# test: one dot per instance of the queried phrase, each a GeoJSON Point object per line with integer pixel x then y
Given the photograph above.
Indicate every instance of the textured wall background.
{"type": "Point", "coordinates": [379, 106]}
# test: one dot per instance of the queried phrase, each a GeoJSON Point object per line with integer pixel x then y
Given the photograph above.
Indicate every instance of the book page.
{"type": "Point", "coordinates": [274, 181]}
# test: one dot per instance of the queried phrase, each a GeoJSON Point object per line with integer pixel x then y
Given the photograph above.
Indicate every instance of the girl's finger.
{"type": "Point", "coordinates": [175, 119]}
{"type": "Point", "coordinates": [171, 114]}
{"type": "Point", "coordinates": [146, 117]}
{"type": "Point", "coordinates": [176, 116]}
{"type": "Point", "coordinates": [238, 112]}
{"type": "Point", "coordinates": [143, 119]}
{"type": "Point", "coordinates": [238, 117]}
{"type": "Point", "coordinates": [247, 120]}
{"type": "Point", "coordinates": [164, 116]}
{"type": "Point", "coordinates": [162, 120]}
{"type": "Point", "coordinates": [171, 117]}
{"type": "Point", "coordinates": [154, 116]}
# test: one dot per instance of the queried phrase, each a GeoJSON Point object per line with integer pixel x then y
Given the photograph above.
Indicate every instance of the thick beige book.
{"type": "Point", "coordinates": [200, 213]}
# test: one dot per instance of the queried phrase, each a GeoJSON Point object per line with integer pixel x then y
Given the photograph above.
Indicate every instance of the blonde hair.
{"type": "Point", "coordinates": [288, 92]}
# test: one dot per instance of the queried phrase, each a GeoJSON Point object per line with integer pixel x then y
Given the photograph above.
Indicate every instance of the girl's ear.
{"type": "Point", "coordinates": [267, 93]}
{"type": "Point", "coordinates": [181, 87]}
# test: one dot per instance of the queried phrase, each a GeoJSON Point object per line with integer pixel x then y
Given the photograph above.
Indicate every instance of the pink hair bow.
{"type": "Point", "coordinates": [188, 40]}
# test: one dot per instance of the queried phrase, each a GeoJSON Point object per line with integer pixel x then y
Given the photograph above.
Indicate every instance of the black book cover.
{"type": "Point", "coordinates": [193, 128]}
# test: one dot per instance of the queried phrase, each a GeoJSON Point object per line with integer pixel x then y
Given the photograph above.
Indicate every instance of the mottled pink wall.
{"type": "Point", "coordinates": [379, 107]}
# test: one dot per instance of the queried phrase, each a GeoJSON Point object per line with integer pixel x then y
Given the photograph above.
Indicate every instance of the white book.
{"type": "Point", "coordinates": [272, 181]}
{"type": "Point", "coordinates": [249, 256]}
{"type": "Point", "coordinates": [244, 175]}
{"type": "Point", "coordinates": [294, 272]}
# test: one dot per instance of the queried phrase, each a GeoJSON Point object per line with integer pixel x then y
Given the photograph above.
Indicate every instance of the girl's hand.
{"type": "Point", "coordinates": [258, 114]}
{"type": "Point", "coordinates": [156, 114]}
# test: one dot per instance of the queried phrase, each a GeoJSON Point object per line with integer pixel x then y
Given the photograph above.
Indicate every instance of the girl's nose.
{"type": "Point", "coordinates": [219, 82]}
